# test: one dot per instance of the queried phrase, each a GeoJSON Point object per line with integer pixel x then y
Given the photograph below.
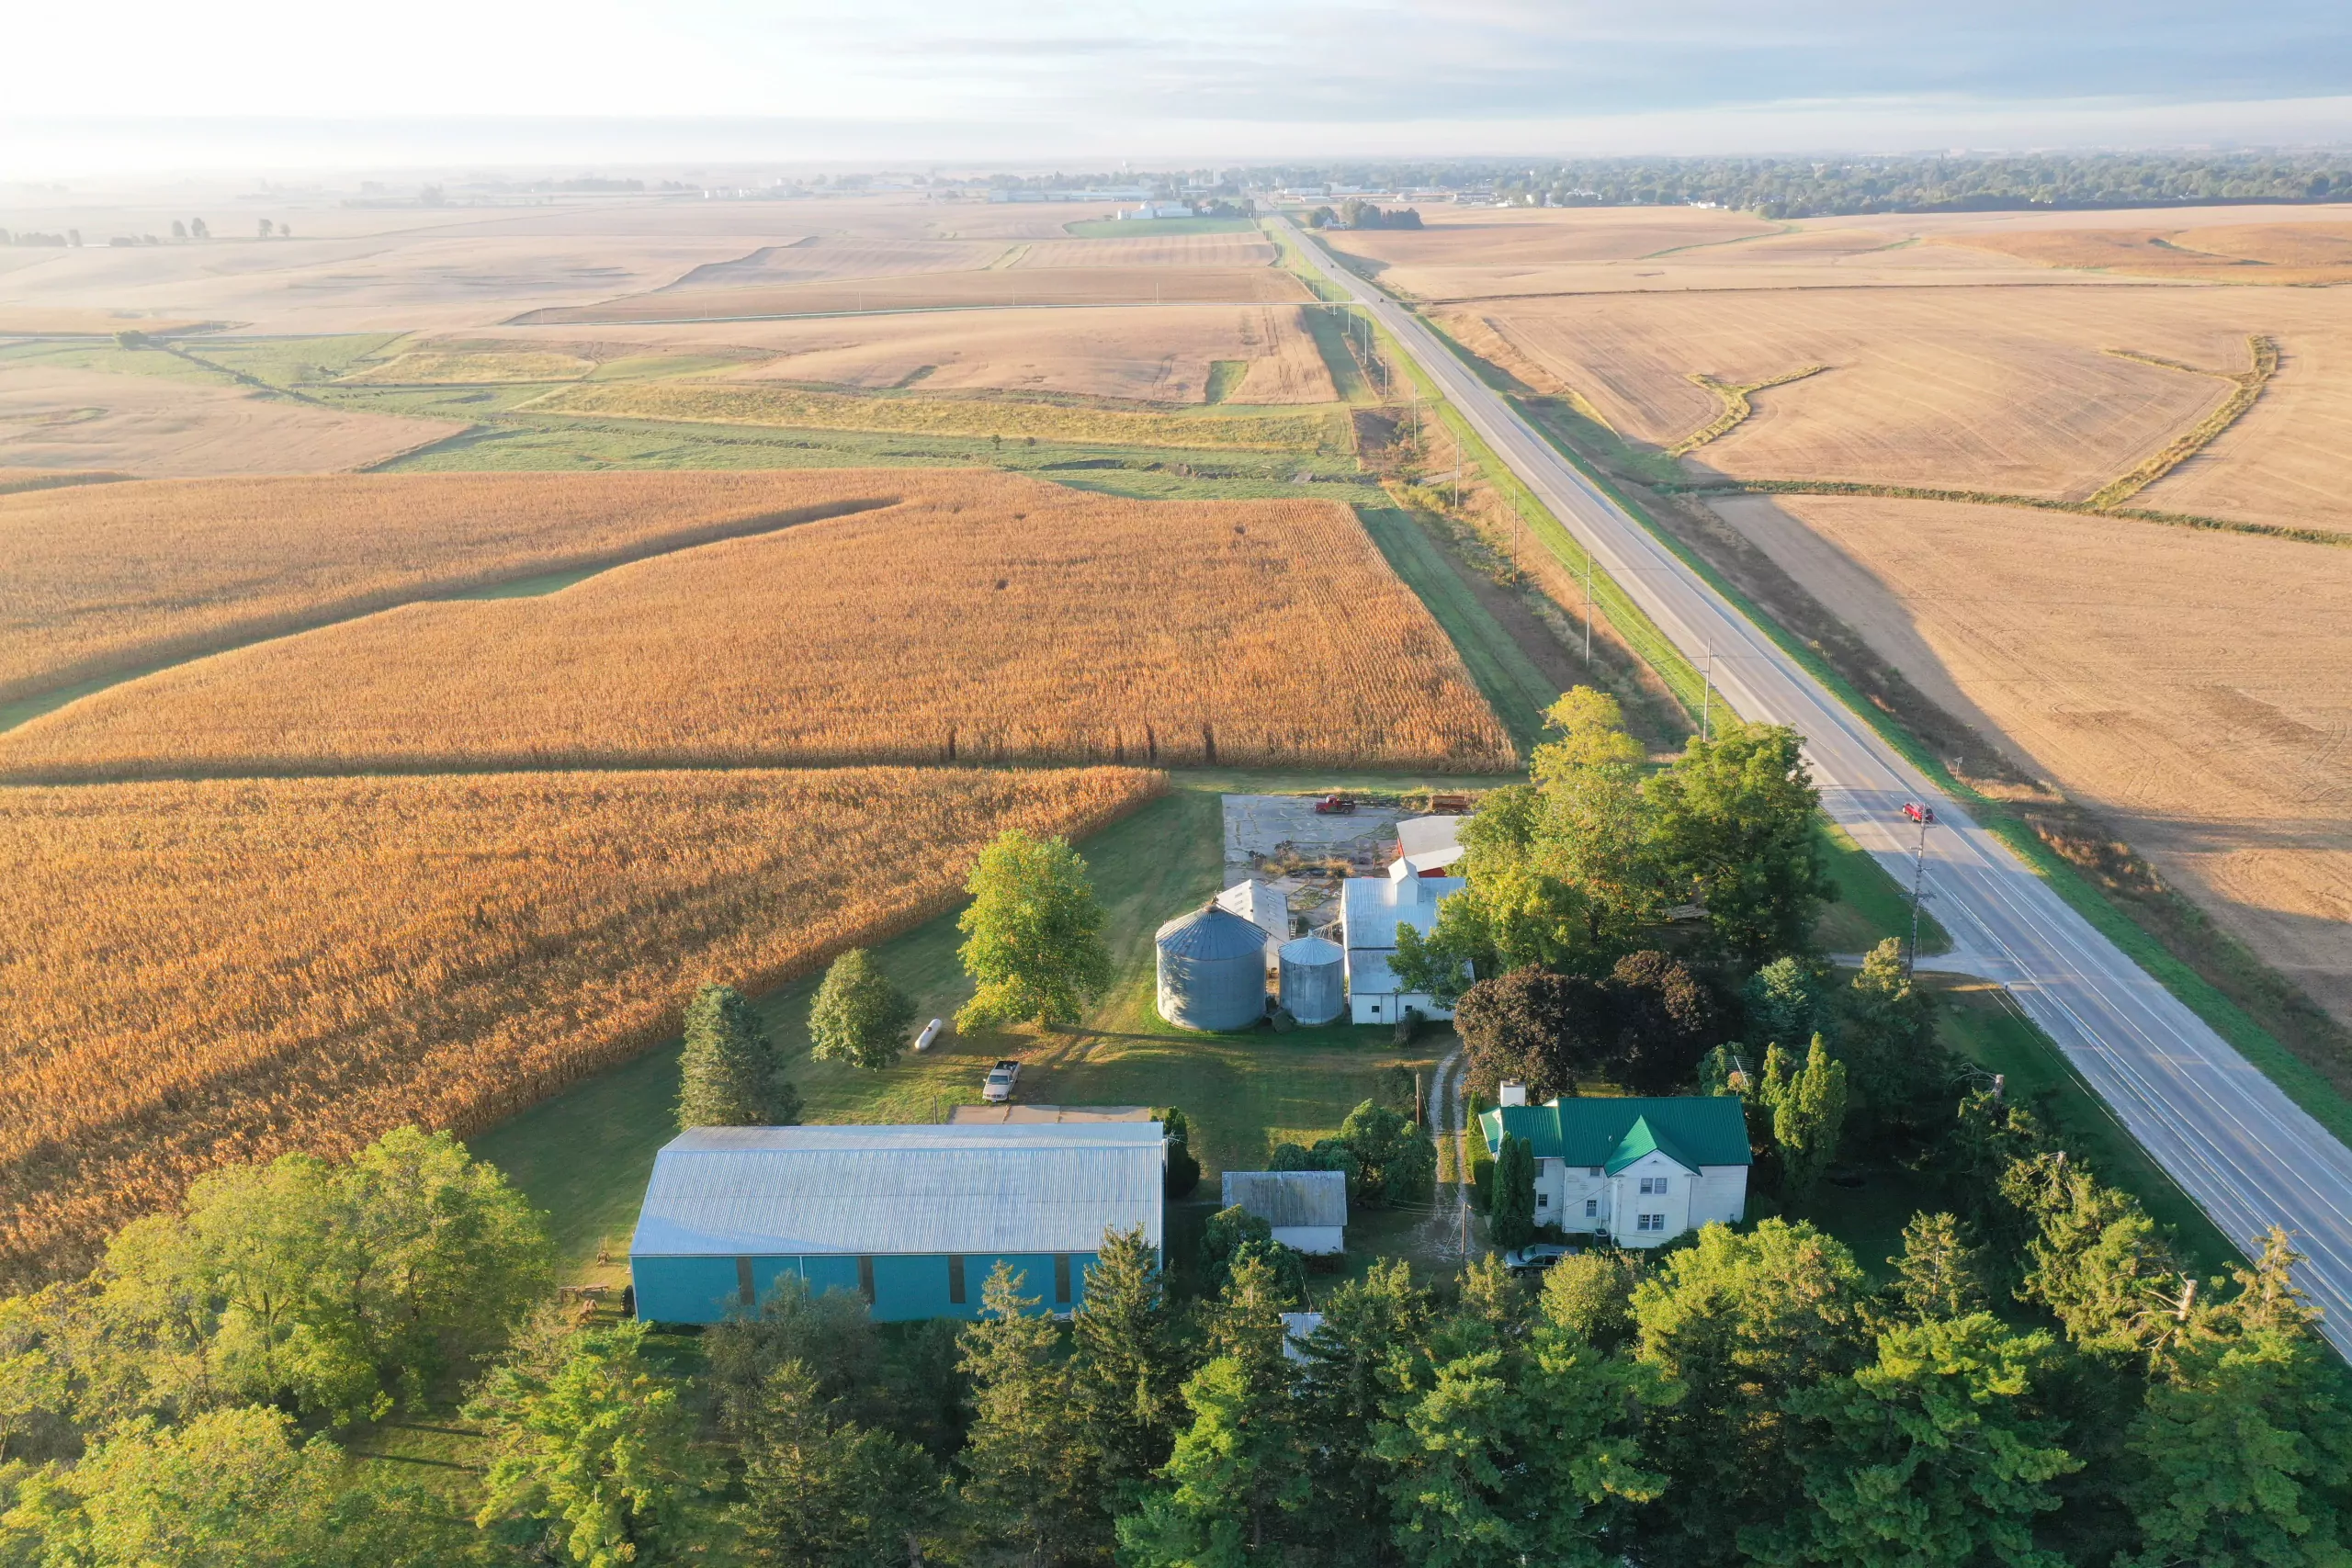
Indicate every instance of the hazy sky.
{"type": "Point", "coordinates": [1159, 78]}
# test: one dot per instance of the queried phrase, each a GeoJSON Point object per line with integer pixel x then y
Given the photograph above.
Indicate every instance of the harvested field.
{"type": "Point", "coordinates": [104, 578]}
{"type": "Point", "coordinates": [707, 403]}
{"type": "Point", "coordinates": [207, 972]}
{"type": "Point", "coordinates": [1161, 355]}
{"type": "Point", "coordinates": [2194, 687]}
{"type": "Point", "coordinates": [444, 280]}
{"type": "Point", "coordinates": [1008, 286]}
{"type": "Point", "coordinates": [823, 258]}
{"type": "Point", "coordinates": [52, 416]}
{"type": "Point", "coordinates": [2287, 460]}
{"type": "Point", "coordinates": [985, 618]}
{"type": "Point", "coordinates": [1163, 249]}
{"type": "Point", "coordinates": [486, 367]}
{"type": "Point", "coordinates": [2015, 391]}
{"type": "Point", "coordinates": [1472, 253]}
{"type": "Point", "coordinates": [2276, 253]}
{"type": "Point", "coordinates": [33, 321]}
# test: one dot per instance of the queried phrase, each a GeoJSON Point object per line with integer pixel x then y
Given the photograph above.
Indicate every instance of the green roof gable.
{"type": "Point", "coordinates": [1692, 1130]}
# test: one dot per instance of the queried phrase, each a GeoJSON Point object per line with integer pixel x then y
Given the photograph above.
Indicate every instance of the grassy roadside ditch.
{"type": "Point", "coordinates": [2301, 1081]}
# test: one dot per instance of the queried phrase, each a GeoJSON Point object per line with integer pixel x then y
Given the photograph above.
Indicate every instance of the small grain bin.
{"type": "Point", "coordinates": [1311, 971]}
{"type": "Point", "coordinates": [1212, 971]}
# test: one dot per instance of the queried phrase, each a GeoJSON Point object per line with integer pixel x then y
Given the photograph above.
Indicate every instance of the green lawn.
{"type": "Point", "coordinates": [1872, 905]}
{"type": "Point", "coordinates": [1329, 329]}
{"type": "Point", "coordinates": [1982, 1023]}
{"type": "Point", "coordinates": [1154, 228]}
{"type": "Point", "coordinates": [1514, 686]}
{"type": "Point", "coordinates": [584, 1155]}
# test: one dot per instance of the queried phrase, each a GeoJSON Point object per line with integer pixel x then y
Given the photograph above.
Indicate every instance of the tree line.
{"type": "Point", "coordinates": [1806, 188]}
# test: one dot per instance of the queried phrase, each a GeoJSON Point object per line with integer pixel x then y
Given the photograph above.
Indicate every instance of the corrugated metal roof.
{"type": "Point", "coordinates": [1373, 906]}
{"type": "Point", "coordinates": [1286, 1198]}
{"type": "Point", "coordinates": [1311, 950]}
{"type": "Point", "coordinates": [767, 1191]}
{"type": "Point", "coordinates": [1421, 835]}
{"type": "Point", "coordinates": [1211, 933]}
{"type": "Point", "coordinates": [1694, 1130]}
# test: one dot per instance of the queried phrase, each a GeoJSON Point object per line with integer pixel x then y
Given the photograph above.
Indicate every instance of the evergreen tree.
{"type": "Point", "coordinates": [1511, 1211]}
{"type": "Point", "coordinates": [1933, 1456]}
{"type": "Point", "coordinates": [1732, 823]}
{"type": "Point", "coordinates": [1233, 1233]}
{"type": "Point", "coordinates": [1740, 1321]}
{"type": "Point", "coordinates": [1240, 1473]}
{"type": "Point", "coordinates": [1034, 935]}
{"type": "Point", "coordinates": [2100, 1265]}
{"type": "Point", "coordinates": [731, 1073]}
{"type": "Point", "coordinates": [1783, 1003]}
{"type": "Point", "coordinates": [1183, 1168]}
{"type": "Point", "coordinates": [593, 1445]}
{"type": "Point", "coordinates": [1938, 1273]}
{"type": "Point", "coordinates": [2243, 1455]}
{"type": "Point", "coordinates": [820, 1492]}
{"type": "Point", "coordinates": [1808, 1107]}
{"type": "Point", "coordinates": [858, 1015]}
{"type": "Point", "coordinates": [1025, 1468]}
{"type": "Point", "coordinates": [1887, 1038]}
{"type": "Point", "coordinates": [1369, 1326]}
{"type": "Point", "coordinates": [1127, 1368]}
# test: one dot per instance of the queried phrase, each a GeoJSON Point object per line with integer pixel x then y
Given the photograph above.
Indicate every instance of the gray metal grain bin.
{"type": "Point", "coordinates": [1311, 970]}
{"type": "Point", "coordinates": [1212, 971]}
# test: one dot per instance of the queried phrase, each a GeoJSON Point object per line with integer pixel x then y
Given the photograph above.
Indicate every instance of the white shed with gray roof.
{"type": "Point", "coordinates": [1307, 1209]}
{"type": "Point", "coordinates": [912, 1218]}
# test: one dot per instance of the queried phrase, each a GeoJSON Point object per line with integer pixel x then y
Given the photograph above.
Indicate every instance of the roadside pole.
{"type": "Point", "coordinates": [1925, 815]}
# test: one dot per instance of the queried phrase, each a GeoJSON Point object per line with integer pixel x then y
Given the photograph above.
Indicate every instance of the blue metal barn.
{"type": "Point", "coordinates": [912, 1218]}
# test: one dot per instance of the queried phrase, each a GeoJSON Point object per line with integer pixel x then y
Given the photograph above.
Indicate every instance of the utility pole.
{"type": "Point", "coordinates": [1588, 609]}
{"type": "Point", "coordinates": [1707, 693]}
{"type": "Point", "coordinates": [1458, 467]}
{"type": "Point", "coordinates": [1925, 815]}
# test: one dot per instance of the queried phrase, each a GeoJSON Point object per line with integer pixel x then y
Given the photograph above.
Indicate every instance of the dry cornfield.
{"type": "Point", "coordinates": [204, 972]}
{"type": "Point", "coordinates": [104, 577]}
{"type": "Point", "coordinates": [987, 617]}
{"type": "Point", "coordinates": [475, 368]}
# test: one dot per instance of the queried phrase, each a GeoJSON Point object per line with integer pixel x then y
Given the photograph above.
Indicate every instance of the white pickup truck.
{"type": "Point", "coordinates": [1000, 1081]}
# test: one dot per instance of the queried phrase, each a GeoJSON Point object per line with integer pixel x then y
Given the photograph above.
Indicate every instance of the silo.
{"type": "Point", "coordinates": [1212, 971]}
{"type": "Point", "coordinates": [1312, 968]}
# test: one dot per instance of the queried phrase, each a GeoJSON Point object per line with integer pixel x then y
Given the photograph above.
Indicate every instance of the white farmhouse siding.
{"type": "Point", "coordinates": [1640, 1171]}
{"type": "Point", "coordinates": [1308, 1210]}
{"type": "Point", "coordinates": [1371, 909]}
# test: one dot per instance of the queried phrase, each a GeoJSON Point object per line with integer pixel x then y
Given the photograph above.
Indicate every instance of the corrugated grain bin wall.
{"type": "Point", "coordinates": [1311, 979]}
{"type": "Point", "coordinates": [1212, 971]}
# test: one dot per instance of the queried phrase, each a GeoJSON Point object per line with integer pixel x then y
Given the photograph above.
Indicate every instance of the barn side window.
{"type": "Point", "coordinates": [956, 1296]}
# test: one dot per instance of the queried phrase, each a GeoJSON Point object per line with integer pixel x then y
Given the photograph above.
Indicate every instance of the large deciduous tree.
{"type": "Point", "coordinates": [731, 1077]}
{"type": "Point", "coordinates": [1032, 935]}
{"type": "Point", "coordinates": [858, 1016]}
{"type": "Point", "coordinates": [1734, 825]}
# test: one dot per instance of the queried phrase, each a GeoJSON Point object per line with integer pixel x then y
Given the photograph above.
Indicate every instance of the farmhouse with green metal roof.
{"type": "Point", "coordinates": [1638, 1172]}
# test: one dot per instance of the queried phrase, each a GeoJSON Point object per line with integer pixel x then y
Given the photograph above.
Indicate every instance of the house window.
{"type": "Point", "coordinates": [1653, 1186]}
{"type": "Point", "coordinates": [1591, 1208]}
{"type": "Point", "coordinates": [1595, 1170]}
{"type": "Point", "coordinates": [1543, 1199]}
{"type": "Point", "coordinates": [1650, 1223]}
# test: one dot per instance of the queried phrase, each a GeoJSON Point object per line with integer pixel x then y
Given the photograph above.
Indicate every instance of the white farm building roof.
{"type": "Point", "coordinates": [1033, 1188]}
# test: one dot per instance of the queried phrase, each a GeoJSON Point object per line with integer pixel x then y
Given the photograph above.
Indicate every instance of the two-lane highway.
{"type": "Point", "coordinates": [2247, 1155]}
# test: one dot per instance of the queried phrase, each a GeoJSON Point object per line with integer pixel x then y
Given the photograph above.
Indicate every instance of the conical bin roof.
{"type": "Point", "coordinates": [1211, 933]}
